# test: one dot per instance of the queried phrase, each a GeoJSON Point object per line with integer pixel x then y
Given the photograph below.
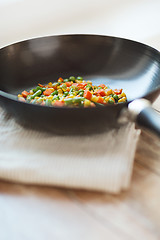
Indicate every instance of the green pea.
{"type": "Point", "coordinates": [48, 102]}
{"type": "Point", "coordinates": [72, 78]}
{"type": "Point", "coordinates": [115, 97]}
{"type": "Point", "coordinates": [110, 101]}
{"type": "Point", "coordinates": [99, 88]}
{"type": "Point", "coordinates": [66, 80]}
{"type": "Point", "coordinates": [54, 93]}
{"type": "Point", "coordinates": [79, 78]}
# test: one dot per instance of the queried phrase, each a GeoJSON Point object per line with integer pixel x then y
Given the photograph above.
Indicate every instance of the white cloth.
{"type": "Point", "coordinates": [101, 162]}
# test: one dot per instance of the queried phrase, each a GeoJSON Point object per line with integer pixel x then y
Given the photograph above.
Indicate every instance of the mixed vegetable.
{"type": "Point", "coordinates": [73, 92]}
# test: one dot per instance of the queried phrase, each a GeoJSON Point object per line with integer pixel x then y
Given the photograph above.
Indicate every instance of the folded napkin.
{"type": "Point", "coordinates": [99, 162]}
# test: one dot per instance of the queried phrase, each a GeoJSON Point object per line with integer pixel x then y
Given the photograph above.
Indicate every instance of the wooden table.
{"type": "Point", "coordinates": [31, 212]}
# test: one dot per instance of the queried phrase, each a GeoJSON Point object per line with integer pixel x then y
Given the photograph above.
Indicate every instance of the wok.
{"type": "Point", "coordinates": [117, 62]}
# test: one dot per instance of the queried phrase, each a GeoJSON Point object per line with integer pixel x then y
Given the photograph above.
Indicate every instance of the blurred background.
{"type": "Point", "coordinates": [132, 19]}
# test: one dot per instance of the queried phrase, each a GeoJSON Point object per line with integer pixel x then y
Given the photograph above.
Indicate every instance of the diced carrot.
{"type": "Point", "coordinates": [47, 92]}
{"type": "Point", "coordinates": [102, 85]}
{"type": "Point", "coordinates": [87, 94]}
{"type": "Point", "coordinates": [40, 85]}
{"type": "Point", "coordinates": [67, 89]}
{"type": "Point", "coordinates": [100, 100]}
{"type": "Point", "coordinates": [58, 103]}
{"type": "Point", "coordinates": [81, 85]}
{"type": "Point", "coordinates": [117, 91]}
{"type": "Point", "coordinates": [25, 94]}
{"type": "Point", "coordinates": [101, 92]}
{"type": "Point", "coordinates": [68, 84]}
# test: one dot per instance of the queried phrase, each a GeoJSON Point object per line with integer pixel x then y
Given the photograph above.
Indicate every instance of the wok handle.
{"type": "Point", "coordinates": [142, 112]}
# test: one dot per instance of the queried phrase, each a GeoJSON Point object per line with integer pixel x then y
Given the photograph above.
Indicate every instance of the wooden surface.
{"type": "Point", "coordinates": [47, 213]}
{"type": "Point", "coordinates": [38, 213]}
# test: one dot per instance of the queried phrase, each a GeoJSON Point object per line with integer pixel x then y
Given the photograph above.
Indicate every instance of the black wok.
{"type": "Point", "coordinates": [116, 62]}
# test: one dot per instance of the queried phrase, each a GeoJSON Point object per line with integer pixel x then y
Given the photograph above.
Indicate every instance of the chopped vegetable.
{"type": "Point", "coordinates": [25, 94]}
{"type": "Point", "coordinates": [87, 94]}
{"type": "Point", "coordinates": [71, 92]}
{"type": "Point", "coordinates": [47, 92]}
{"type": "Point", "coordinates": [117, 91]}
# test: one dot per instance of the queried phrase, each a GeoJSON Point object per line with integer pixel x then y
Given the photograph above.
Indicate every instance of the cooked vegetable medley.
{"type": "Point", "coordinates": [73, 92]}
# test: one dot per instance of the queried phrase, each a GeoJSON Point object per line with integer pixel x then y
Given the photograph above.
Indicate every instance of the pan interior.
{"type": "Point", "coordinates": [116, 62]}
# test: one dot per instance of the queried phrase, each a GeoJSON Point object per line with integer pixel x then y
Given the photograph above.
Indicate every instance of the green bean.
{"type": "Point", "coordinates": [56, 97]}
{"type": "Point", "coordinates": [40, 88]}
{"type": "Point", "coordinates": [97, 104]}
{"type": "Point", "coordinates": [48, 102]}
{"type": "Point", "coordinates": [29, 98]}
{"type": "Point", "coordinates": [69, 101]}
{"type": "Point", "coordinates": [36, 94]}
{"type": "Point", "coordinates": [81, 93]}
{"type": "Point", "coordinates": [54, 93]}
{"type": "Point", "coordinates": [39, 100]}
{"type": "Point", "coordinates": [71, 90]}
{"type": "Point", "coordinates": [65, 94]}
